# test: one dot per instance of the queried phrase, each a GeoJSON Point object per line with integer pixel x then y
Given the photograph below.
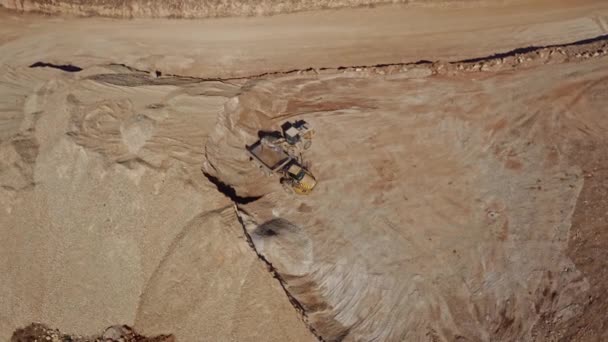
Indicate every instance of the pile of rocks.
{"type": "Point", "coordinates": [37, 332]}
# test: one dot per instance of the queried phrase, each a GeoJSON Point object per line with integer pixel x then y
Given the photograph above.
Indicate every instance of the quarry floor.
{"type": "Point", "coordinates": [463, 183]}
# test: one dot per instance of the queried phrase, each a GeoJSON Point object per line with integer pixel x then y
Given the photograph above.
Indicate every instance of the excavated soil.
{"type": "Point", "coordinates": [462, 190]}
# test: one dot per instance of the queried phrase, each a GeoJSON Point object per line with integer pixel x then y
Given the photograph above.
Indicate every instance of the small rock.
{"type": "Point", "coordinates": [115, 332]}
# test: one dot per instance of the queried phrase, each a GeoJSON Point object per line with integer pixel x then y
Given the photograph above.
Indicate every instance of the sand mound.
{"type": "Point", "coordinates": [101, 184]}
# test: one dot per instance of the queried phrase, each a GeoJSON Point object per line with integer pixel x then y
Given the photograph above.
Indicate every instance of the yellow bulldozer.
{"type": "Point", "coordinates": [281, 153]}
{"type": "Point", "coordinates": [297, 179]}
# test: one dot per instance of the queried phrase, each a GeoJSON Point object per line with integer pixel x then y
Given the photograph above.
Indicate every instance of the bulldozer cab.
{"type": "Point", "coordinates": [297, 179]}
{"type": "Point", "coordinates": [297, 131]}
{"type": "Point", "coordinates": [296, 172]}
{"type": "Point", "coordinates": [292, 135]}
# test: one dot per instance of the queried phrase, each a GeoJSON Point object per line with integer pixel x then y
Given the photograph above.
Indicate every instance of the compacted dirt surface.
{"type": "Point", "coordinates": [193, 8]}
{"type": "Point", "coordinates": [460, 153]}
{"type": "Point", "coordinates": [243, 47]}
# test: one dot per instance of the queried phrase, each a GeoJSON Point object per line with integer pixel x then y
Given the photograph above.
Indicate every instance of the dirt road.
{"type": "Point", "coordinates": [194, 8]}
{"type": "Point", "coordinates": [233, 47]}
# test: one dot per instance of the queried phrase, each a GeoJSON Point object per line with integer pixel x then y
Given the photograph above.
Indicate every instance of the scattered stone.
{"type": "Point", "coordinates": [116, 333]}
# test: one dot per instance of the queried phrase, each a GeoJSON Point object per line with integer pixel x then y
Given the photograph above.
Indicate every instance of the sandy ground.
{"type": "Point", "coordinates": [105, 210]}
{"type": "Point", "coordinates": [463, 204]}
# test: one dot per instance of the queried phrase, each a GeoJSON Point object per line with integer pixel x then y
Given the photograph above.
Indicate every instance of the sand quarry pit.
{"type": "Point", "coordinates": [462, 168]}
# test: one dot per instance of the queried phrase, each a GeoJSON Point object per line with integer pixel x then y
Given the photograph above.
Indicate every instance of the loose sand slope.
{"type": "Point", "coordinates": [104, 210]}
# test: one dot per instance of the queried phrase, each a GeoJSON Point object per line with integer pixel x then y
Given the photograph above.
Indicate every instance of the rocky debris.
{"type": "Point", "coordinates": [540, 56]}
{"type": "Point", "coordinates": [573, 52]}
{"type": "Point", "coordinates": [500, 62]}
{"type": "Point", "coordinates": [38, 332]}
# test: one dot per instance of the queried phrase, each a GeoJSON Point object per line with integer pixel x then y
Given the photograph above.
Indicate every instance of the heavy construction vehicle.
{"type": "Point", "coordinates": [298, 134]}
{"type": "Point", "coordinates": [297, 179]}
{"type": "Point", "coordinates": [281, 153]}
{"type": "Point", "coordinates": [294, 138]}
